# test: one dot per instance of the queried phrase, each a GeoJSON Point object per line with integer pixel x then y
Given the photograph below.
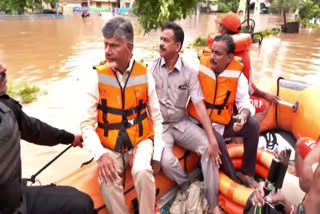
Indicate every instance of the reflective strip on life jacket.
{"type": "Point", "coordinates": [207, 71]}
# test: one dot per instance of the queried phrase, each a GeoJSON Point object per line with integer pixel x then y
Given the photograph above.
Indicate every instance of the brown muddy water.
{"type": "Point", "coordinates": [51, 51]}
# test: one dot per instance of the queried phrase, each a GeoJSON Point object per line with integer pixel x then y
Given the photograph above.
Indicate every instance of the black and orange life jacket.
{"type": "Point", "coordinates": [219, 91]}
{"type": "Point", "coordinates": [123, 121]}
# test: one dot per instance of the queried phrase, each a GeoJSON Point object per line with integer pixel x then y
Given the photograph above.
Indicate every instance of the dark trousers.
{"type": "Point", "coordinates": [250, 133]}
{"type": "Point", "coordinates": [226, 162]}
{"type": "Point", "coordinates": [57, 200]}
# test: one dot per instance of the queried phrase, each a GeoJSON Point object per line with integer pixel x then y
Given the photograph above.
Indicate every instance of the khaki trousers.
{"type": "Point", "coordinates": [194, 139]}
{"type": "Point", "coordinates": [142, 174]}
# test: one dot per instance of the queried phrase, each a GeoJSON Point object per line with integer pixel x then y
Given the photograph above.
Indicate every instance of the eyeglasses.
{"type": "Point", "coordinates": [3, 76]}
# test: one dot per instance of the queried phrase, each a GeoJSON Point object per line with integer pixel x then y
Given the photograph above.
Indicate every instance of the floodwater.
{"type": "Point", "coordinates": [51, 51]}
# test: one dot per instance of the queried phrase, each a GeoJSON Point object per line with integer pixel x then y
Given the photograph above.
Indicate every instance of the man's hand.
{"type": "Point", "coordinates": [213, 148]}
{"type": "Point", "coordinates": [240, 119]}
{"type": "Point", "coordinates": [271, 98]}
{"type": "Point", "coordinates": [155, 167]}
{"type": "Point", "coordinates": [107, 168]}
{"type": "Point", "coordinates": [77, 141]}
{"type": "Point", "coordinates": [258, 196]}
{"type": "Point", "coordinates": [214, 153]}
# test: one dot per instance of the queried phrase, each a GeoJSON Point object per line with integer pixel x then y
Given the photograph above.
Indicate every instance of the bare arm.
{"type": "Point", "coordinates": [306, 176]}
{"type": "Point", "coordinates": [265, 95]}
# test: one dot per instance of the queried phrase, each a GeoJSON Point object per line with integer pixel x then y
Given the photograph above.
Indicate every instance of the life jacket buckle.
{"type": "Point", "coordinates": [130, 122]}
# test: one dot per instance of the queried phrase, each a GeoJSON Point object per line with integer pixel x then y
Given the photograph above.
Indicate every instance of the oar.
{"type": "Point", "coordinates": [293, 106]}
{"type": "Point", "coordinates": [33, 177]}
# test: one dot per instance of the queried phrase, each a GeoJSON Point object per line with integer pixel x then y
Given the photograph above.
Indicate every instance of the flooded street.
{"type": "Point", "coordinates": [43, 50]}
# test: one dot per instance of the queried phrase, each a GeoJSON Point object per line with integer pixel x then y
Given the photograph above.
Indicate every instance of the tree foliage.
{"type": "Point", "coordinates": [284, 5]}
{"type": "Point", "coordinates": [310, 9]}
{"type": "Point", "coordinates": [227, 5]}
{"type": "Point", "coordinates": [153, 13]}
{"type": "Point", "coordinates": [20, 6]}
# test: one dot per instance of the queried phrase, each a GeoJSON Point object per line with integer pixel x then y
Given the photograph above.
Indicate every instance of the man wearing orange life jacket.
{"type": "Point", "coordinates": [230, 24]}
{"type": "Point", "coordinates": [122, 116]}
{"type": "Point", "coordinates": [224, 86]}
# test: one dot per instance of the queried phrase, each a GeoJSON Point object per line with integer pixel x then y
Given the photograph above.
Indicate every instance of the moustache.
{"type": "Point", "coordinates": [213, 62]}
{"type": "Point", "coordinates": [162, 48]}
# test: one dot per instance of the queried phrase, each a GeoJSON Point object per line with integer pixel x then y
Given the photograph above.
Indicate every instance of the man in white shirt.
{"type": "Point", "coordinates": [121, 114]}
{"type": "Point", "coordinates": [224, 86]}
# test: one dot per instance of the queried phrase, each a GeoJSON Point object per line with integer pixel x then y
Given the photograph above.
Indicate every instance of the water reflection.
{"type": "Point", "coordinates": [39, 48]}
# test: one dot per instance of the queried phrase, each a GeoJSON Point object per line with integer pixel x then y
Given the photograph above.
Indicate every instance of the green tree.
{"type": "Point", "coordinates": [153, 13]}
{"type": "Point", "coordinates": [309, 9]}
{"type": "Point", "coordinates": [20, 6]}
{"type": "Point", "coordinates": [285, 6]}
{"type": "Point", "coordinates": [228, 5]}
{"type": "Point", "coordinates": [10, 6]}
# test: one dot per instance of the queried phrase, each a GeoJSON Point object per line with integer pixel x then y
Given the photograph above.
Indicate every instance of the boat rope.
{"type": "Point", "coordinates": [86, 163]}
{"type": "Point", "coordinates": [278, 93]}
{"type": "Point", "coordinates": [33, 177]}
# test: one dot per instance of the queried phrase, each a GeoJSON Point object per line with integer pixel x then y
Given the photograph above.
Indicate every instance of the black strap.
{"type": "Point", "coordinates": [185, 160]}
{"type": "Point", "coordinates": [135, 206]}
{"type": "Point", "coordinates": [219, 107]}
{"type": "Point", "coordinates": [139, 108]}
{"type": "Point", "coordinates": [127, 124]}
{"type": "Point", "coordinates": [128, 112]}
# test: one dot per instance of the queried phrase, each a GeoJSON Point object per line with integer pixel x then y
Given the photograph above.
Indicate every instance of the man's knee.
{"type": "Point", "coordinates": [143, 169]}
{"type": "Point", "coordinates": [143, 176]}
{"type": "Point", "coordinates": [253, 124]}
{"type": "Point", "coordinates": [167, 159]}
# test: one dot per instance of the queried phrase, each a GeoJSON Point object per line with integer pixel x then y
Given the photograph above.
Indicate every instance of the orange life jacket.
{"type": "Point", "coordinates": [123, 120]}
{"type": "Point", "coordinates": [219, 91]}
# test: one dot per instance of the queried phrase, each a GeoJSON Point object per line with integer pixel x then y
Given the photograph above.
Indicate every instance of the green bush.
{"type": "Point", "coordinates": [270, 32]}
{"type": "Point", "coordinates": [23, 92]}
{"type": "Point", "coordinates": [28, 94]}
{"type": "Point", "coordinates": [312, 25]}
{"type": "Point", "coordinates": [200, 42]}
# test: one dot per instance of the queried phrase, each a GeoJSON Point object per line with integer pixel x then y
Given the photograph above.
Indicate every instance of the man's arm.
{"type": "Point", "coordinates": [305, 179]}
{"type": "Point", "coordinates": [156, 117]}
{"type": "Point", "coordinates": [265, 95]}
{"type": "Point", "coordinates": [213, 149]}
{"type": "Point", "coordinates": [107, 168]}
{"type": "Point", "coordinates": [38, 132]}
{"type": "Point", "coordinates": [196, 96]}
{"type": "Point", "coordinates": [89, 104]}
{"type": "Point", "coordinates": [242, 101]}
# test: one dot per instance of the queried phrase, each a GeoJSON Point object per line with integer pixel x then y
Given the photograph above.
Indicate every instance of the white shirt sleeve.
{"type": "Point", "coordinates": [90, 98]}
{"type": "Point", "coordinates": [156, 117]}
{"type": "Point", "coordinates": [242, 96]}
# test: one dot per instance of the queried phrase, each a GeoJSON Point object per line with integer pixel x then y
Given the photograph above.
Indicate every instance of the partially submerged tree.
{"type": "Point", "coordinates": [284, 6]}
{"type": "Point", "coordinates": [153, 13]}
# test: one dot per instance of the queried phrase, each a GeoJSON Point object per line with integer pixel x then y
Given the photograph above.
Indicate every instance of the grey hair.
{"type": "Point", "coordinates": [120, 28]}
